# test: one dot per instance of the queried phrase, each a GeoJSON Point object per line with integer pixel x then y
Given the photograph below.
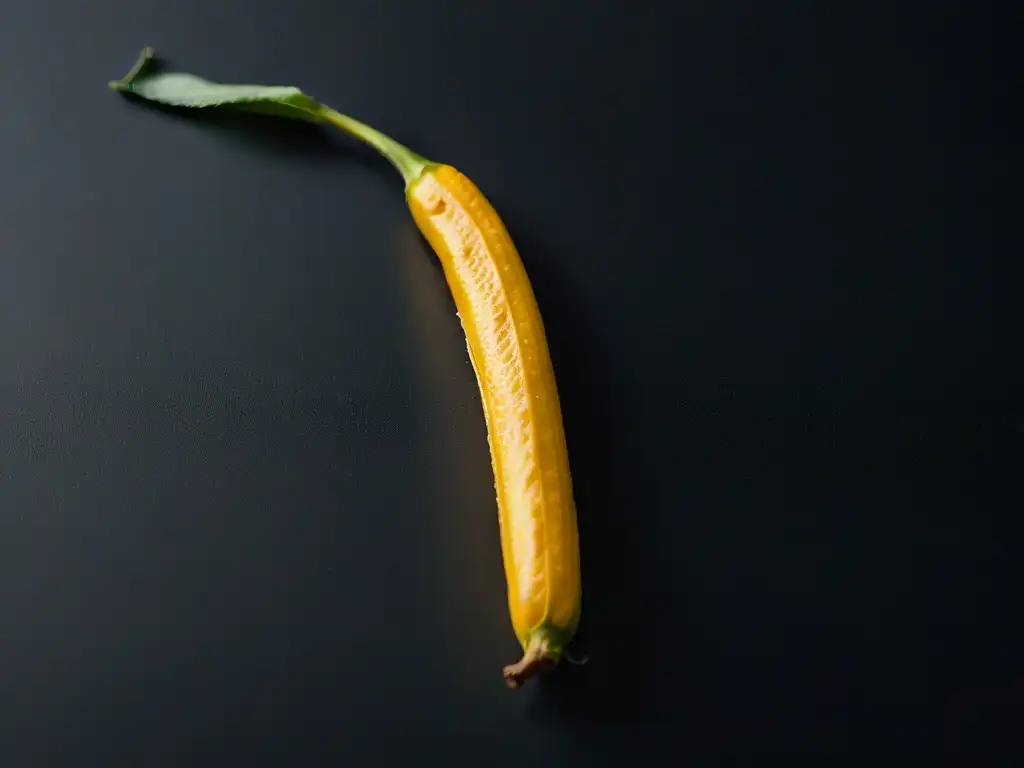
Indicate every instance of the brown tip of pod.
{"type": "Point", "coordinates": [538, 659]}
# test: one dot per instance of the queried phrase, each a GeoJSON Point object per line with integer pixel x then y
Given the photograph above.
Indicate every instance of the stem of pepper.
{"type": "Point", "coordinates": [407, 162]}
{"type": "Point", "coordinates": [543, 652]}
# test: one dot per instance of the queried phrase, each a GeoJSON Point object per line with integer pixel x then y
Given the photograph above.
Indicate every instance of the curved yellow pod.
{"type": "Point", "coordinates": [505, 336]}
{"type": "Point", "coordinates": [509, 352]}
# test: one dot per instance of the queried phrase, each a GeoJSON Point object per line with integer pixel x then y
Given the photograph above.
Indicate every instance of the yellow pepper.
{"type": "Point", "coordinates": [507, 347]}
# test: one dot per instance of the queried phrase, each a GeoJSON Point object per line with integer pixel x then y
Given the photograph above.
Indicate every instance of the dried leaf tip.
{"type": "Point", "coordinates": [125, 83]}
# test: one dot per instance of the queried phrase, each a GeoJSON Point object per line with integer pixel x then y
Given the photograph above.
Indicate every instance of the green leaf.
{"type": "Point", "coordinates": [179, 89]}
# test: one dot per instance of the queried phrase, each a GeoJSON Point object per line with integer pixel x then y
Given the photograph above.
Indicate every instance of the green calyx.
{"type": "Point", "coordinates": [146, 80]}
{"type": "Point", "coordinates": [549, 640]}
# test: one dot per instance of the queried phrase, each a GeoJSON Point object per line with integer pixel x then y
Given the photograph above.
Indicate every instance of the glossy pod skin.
{"type": "Point", "coordinates": [507, 347]}
{"type": "Point", "coordinates": [509, 353]}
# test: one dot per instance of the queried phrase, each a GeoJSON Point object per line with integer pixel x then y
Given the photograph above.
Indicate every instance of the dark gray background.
{"type": "Point", "coordinates": [246, 510]}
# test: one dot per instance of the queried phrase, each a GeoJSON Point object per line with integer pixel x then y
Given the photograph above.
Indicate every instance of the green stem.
{"type": "Point", "coordinates": [407, 162]}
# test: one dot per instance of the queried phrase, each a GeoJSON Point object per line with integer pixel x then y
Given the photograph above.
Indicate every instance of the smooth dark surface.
{"type": "Point", "coordinates": [246, 510]}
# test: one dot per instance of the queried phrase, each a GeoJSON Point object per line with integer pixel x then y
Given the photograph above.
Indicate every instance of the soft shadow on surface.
{"type": "Point", "coordinates": [619, 633]}
{"type": "Point", "coordinates": [294, 140]}
{"type": "Point", "coordinates": [619, 628]}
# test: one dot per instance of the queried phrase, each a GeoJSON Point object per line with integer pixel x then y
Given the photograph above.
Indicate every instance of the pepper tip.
{"type": "Point", "coordinates": [539, 659]}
